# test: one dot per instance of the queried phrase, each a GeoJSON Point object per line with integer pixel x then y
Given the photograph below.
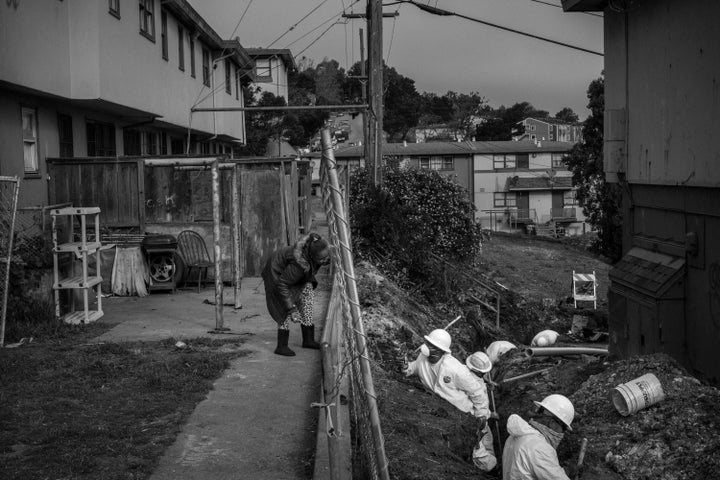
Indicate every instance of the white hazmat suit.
{"type": "Point", "coordinates": [453, 381]}
{"type": "Point", "coordinates": [528, 455]}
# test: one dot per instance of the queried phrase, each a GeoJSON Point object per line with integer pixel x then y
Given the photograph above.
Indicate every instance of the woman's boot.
{"type": "Point", "coordinates": [282, 343]}
{"type": "Point", "coordinates": [308, 334]}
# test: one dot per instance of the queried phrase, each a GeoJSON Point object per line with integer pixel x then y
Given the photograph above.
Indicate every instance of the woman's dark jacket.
{"type": "Point", "coordinates": [286, 273]}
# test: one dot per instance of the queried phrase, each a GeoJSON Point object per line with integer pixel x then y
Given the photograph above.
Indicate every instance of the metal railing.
{"type": "Point", "coordinates": [346, 364]}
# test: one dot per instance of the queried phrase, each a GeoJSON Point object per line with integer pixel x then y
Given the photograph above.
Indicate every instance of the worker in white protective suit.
{"type": "Point", "coordinates": [530, 451]}
{"type": "Point", "coordinates": [444, 375]}
{"type": "Point", "coordinates": [484, 451]}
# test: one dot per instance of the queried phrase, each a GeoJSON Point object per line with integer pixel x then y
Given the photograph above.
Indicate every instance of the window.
{"type": "Point", "coordinates": [100, 139]}
{"type": "Point", "coordinates": [558, 160]}
{"type": "Point", "coordinates": [569, 198]}
{"type": "Point", "coordinates": [206, 66]}
{"type": "Point", "coordinates": [163, 34]}
{"type": "Point", "coordinates": [237, 83]}
{"type": "Point", "coordinates": [446, 162]}
{"type": "Point", "coordinates": [163, 143]}
{"type": "Point", "coordinates": [228, 85]}
{"type": "Point", "coordinates": [192, 56]}
{"type": "Point", "coordinates": [177, 145]}
{"type": "Point", "coordinates": [504, 161]}
{"type": "Point", "coordinates": [262, 68]}
{"type": "Point", "coordinates": [131, 142]}
{"type": "Point", "coordinates": [150, 143]}
{"type": "Point", "coordinates": [65, 135]}
{"type": "Point", "coordinates": [504, 199]}
{"type": "Point", "coordinates": [147, 18]}
{"type": "Point", "coordinates": [30, 140]}
{"type": "Point", "coordinates": [532, 128]}
{"type": "Point", "coordinates": [181, 48]}
{"type": "Point", "coordinates": [523, 160]}
{"type": "Point", "coordinates": [114, 7]}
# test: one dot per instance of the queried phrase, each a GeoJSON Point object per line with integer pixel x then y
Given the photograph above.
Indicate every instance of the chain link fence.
{"type": "Point", "coordinates": [346, 359]}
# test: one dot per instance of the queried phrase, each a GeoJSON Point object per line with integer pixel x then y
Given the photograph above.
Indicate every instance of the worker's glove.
{"type": "Point", "coordinates": [294, 316]}
{"type": "Point", "coordinates": [482, 421]}
{"type": "Point", "coordinates": [408, 371]}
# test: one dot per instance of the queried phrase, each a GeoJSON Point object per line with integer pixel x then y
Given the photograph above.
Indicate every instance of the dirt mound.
{"type": "Point", "coordinates": [677, 438]}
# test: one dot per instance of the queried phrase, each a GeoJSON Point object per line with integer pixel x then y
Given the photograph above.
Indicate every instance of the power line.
{"type": "Point", "coordinates": [297, 23]}
{"type": "Point", "coordinates": [441, 12]}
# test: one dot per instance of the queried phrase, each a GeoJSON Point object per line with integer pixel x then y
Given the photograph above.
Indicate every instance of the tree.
{"type": "Point", "coordinates": [503, 123]}
{"type": "Point", "coordinates": [567, 115]}
{"type": "Point", "coordinates": [601, 201]}
{"type": "Point", "coordinates": [401, 104]}
{"type": "Point", "coordinates": [467, 111]}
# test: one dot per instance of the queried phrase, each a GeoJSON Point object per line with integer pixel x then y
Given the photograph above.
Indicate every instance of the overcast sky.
{"type": "Point", "coordinates": [438, 53]}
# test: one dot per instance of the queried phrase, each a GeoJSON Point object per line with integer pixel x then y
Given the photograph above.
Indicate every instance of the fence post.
{"type": "Point", "coordinates": [216, 244]}
{"type": "Point", "coordinates": [328, 156]}
{"type": "Point", "coordinates": [11, 205]}
{"type": "Point", "coordinates": [237, 239]}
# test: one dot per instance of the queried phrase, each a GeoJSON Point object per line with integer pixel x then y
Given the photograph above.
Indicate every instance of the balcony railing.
{"type": "Point", "coordinates": [565, 214]}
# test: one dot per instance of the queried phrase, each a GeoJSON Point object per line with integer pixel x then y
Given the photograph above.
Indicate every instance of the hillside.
{"type": "Point", "coordinates": [427, 438]}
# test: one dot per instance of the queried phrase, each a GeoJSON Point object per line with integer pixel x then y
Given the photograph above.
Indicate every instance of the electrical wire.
{"type": "Point", "coordinates": [441, 12]}
{"type": "Point", "coordinates": [296, 23]}
{"type": "Point", "coordinates": [392, 35]}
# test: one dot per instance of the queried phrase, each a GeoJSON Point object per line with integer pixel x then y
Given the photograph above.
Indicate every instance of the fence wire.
{"type": "Point", "coordinates": [368, 455]}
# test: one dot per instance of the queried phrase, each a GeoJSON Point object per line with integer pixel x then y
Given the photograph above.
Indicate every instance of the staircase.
{"type": "Point", "coordinates": [549, 229]}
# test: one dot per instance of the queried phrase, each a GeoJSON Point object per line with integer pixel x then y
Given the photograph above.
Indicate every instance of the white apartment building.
{"type": "Point", "coordinates": [97, 78]}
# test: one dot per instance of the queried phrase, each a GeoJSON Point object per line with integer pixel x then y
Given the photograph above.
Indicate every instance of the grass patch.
{"type": "Point", "coordinates": [108, 411]}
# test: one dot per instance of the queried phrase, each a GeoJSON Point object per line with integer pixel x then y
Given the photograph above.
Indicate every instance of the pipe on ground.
{"type": "Point", "coordinates": [552, 351]}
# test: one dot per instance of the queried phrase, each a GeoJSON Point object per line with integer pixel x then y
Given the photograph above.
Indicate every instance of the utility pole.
{"type": "Point", "coordinates": [363, 87]}
{"type": "Point", "coordinates": [375, 90]}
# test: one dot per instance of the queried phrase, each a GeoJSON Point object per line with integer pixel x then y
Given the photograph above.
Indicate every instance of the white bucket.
{"type": "Point", "coordinates": [633, 396]}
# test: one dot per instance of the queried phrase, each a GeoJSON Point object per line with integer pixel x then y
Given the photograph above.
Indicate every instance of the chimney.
{"type": "Point", "coordinates": [404, 143]}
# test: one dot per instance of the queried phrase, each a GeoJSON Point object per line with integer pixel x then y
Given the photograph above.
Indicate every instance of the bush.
{"type": "Point", "coordinates": [415, 215]}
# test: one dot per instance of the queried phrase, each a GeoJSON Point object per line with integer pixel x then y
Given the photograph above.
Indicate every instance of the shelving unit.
{"type": "Point", "coordinates": [81, 248]}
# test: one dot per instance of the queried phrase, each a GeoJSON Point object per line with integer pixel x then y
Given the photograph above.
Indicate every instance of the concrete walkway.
{"type": "Point", "coordinates": [257, 422]}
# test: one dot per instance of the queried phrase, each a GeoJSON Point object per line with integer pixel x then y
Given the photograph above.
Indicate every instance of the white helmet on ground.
{"type": "Point", "coordinates": [560, 407]}
{"type": "Point", "coordinates": [544, 338]}
{"type": "Point", "coordinates": [479, 362]}
{"type": "Point", "coordinates": [440, 338]}
{"type": "Point", "coordinates": [498, 348]}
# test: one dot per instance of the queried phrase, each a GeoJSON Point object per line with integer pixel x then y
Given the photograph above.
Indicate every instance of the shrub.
{"type": "Point", "coordinates": [414, 215]}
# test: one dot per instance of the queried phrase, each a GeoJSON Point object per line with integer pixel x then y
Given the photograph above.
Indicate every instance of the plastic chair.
{"type": "Point", "coordinates": [194, 253]}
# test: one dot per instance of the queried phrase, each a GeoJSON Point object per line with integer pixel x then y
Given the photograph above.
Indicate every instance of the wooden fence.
{"type": "Point", "coordinates": [161, 195]}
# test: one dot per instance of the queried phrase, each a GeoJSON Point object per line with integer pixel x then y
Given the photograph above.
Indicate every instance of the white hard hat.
{"type": "Point", "coordinates": [479, 362]}
{"type": "Point", "coordinates": [560, 407]}
{"type": "Point", "coordinates": [497, 348]}
{"type": "Point", "coordinates": [544, 338]}
{"type": "Point", "coordinates": [440, 338]}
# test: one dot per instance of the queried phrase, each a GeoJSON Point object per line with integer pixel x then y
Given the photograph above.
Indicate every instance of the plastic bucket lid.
{"type": "Point", "coordinates": [633, 396]}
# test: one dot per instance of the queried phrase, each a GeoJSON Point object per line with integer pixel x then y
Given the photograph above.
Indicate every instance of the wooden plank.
{"type": "Point", "coordinates": [262, 225]}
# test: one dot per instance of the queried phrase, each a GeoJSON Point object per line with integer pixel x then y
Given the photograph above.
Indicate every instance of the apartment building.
{"type": "Point", "coordinates": [89, 78]}
{"type": "Point", "coordinates": [549, 129]}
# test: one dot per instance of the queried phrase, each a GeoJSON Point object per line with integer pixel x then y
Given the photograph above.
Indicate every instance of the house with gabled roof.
{"type": "Point", "coordinates": [272, 67]}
